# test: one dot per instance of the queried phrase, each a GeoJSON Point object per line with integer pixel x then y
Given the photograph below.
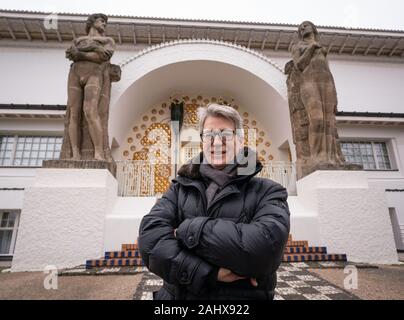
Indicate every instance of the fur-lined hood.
{"type": "Point", "coordinates": [191, 169]}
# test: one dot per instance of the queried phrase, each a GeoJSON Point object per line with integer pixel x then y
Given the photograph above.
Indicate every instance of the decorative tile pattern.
{"type": "Point", "coordinates": [294, 283]}
{"type": "Point", "coordinates": [301, 265]}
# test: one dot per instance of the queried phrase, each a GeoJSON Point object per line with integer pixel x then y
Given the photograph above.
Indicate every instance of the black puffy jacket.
{"type": "Point", "coordinates": [244, 229]}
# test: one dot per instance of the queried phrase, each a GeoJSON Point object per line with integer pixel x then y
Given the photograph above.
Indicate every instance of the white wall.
{"type": "Point", "coordinates": [392, 180]}
{"type": "Point", "coordinates": [123, 222]}
{"type": "Point", "coordinates": [38, 75]}
{"type": "Point", "coordinates": [363, 84]}
{"type": "Point", "coordinates": [18, 179]}
{"type": "Point", "coordinates": [29, 126]}
{"type": "Point", "coordinates": [22, 178]}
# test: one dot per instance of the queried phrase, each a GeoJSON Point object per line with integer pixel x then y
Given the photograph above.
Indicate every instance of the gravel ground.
{"type": "Point", "coordinates": [383, 283]}
{"type": "Point", "coordinates": [30, 285]}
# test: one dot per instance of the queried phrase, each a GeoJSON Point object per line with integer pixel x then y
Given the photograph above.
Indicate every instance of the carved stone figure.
{"type": "Point", "coordinates": [313, 105]}
{"type": "Point", "coordinates": [89, 87]}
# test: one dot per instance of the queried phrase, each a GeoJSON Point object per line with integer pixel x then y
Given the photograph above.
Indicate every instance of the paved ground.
{"type": "Point", "coordinates": [385, 282]}
{"type": "Point", "coordinates": [295, 282]}
{"type": "Point", "coordinates": [30, 285]}
{"type": "Point", "coordinates": [313, 281]}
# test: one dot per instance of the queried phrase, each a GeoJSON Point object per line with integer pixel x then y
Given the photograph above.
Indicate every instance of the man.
{"type": "Point", "coordinates": [219, 232]}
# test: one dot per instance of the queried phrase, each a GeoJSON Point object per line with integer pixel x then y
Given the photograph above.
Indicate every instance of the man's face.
{"type": "Point", "coordinates": [219, 152]}
{"type": "Point", "coordinates": [100, 24]}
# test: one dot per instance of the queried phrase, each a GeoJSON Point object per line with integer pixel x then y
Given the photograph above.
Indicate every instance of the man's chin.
{"type": "Point", "coordinates": [218, 163]}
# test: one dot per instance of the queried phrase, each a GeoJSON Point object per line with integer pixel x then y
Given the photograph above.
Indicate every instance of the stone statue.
{"type": "Point", "coordinates": [313, 105]}
{"type": "Point", "coordinates": [89, 87]}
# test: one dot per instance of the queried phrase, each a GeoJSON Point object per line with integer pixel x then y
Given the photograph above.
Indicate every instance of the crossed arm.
{"type": "Point", "coordinates": [97, 53]}
{"type": "Point", "coordinates": [162, 253]}
{"type": "Point", "coordinates": [301, 61]}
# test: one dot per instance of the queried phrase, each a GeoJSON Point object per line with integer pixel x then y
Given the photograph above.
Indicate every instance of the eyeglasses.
{"type": "Point", "coordinates": [224, 135]}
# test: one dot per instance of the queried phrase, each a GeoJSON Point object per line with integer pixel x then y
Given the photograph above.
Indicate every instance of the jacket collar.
{"type": "Point", "coordinates": [190, 170]}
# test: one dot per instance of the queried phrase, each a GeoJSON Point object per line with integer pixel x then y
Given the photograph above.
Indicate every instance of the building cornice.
{"type": "Point", "coordinates": [57, 111]}
{"type": "Point", "coordinates": [23, 26]}
{"type": "Point", "coordinates": [32, 111]}
{"type": "Point", "coordinates": [370, 118]}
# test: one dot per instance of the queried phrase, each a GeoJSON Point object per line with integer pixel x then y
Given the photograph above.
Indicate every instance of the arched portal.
{"type": "Point", "coordinates": [205, 69]}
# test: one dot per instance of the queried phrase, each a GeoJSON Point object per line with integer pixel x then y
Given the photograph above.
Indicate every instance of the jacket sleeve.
{"type": "Point", "coordinates": [248, 249]}
{"type": "Point", "coordinates": [163, 254]}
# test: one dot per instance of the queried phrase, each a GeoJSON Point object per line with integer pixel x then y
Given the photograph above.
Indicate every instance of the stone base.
{"type": "Point", "coordinates": [63, 218]}
{"type": "Point", "coordinates": [352, 217]}
{"type": "Point", "coordinates": [81, 164]}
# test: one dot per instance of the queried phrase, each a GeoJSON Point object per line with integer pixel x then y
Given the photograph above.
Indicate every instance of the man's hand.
{"type": "Point", "coordinates": [226, 275]}
{"type": "Point", "coordinates": [254, 282]}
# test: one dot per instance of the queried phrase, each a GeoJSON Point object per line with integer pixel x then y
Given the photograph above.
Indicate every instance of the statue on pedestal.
{"type": "Point", "coordinates": [89, 87]}
{"type": "Point", "coordinates": [313, 105]}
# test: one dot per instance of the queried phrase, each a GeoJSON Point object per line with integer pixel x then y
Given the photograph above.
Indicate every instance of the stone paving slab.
{"type": "Point", "coordinates": [295, 282]}
{"type": "Point", "coordinates": [384, 282]}
{"type": "Point", "coordinates": [30, 286]}
{"type": "Point", "coordinates": [128, 270]}
{"type": "Point", "coordinates": [102, 271]}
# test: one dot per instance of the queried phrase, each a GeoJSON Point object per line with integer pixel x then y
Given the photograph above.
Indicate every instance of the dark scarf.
{"type": "Point", "coordinates": [217, 178]}
{"type": "Point", "coordinates": [192, 170]}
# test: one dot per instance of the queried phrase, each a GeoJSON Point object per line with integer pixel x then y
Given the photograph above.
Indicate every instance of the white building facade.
{"type": "Point", "coordinates": [202, 61]}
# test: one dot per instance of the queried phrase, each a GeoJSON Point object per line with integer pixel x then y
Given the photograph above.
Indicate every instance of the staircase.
{"type": "Point", "coordinates": [295, 251]}
{"type": "Point", "coordinates": [300, 251]}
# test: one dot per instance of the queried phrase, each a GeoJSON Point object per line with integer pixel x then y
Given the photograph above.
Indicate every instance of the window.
{"type": "Point", "coordinates": [6, 150]}
{"type": "Point", "coordinates": [9, 220]}
{"type": "Point", "coordinates": [28, 151]}
{"type": "Point", "coordinates": [373, 155]}
{"type": "Point", "coordinates": [190, 151]}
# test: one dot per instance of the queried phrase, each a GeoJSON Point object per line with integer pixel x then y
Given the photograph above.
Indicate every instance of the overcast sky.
{"type": "Point", "coordinates": [386, 14]}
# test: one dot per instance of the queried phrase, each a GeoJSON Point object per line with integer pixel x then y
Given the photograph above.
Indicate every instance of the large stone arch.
{"type": "Point", "coordinates": [262, 82]}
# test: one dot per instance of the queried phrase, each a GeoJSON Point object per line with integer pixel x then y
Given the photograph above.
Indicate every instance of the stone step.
{"type": "Point", "coordinates": [122, 254]}
{"type": "Point", "coordinates": [313, 257]}
{"type": "Point", "coordinates": [114, 262]}
{"type": "Point", "coordinates": [290, 243]}
{"type": "Point", "coordinates": [130, 246]}
{"type": "Point", "coordinates": [302, 250]}
{"type": "Point", "coordinates": [293, 243]}
{"type": "Point", "coordinates": [288, 250]}
{"type": "Point", "coordinates": [295, 251]}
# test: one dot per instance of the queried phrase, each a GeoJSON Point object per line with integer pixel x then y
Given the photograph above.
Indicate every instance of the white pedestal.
{"type": "Point", "coordinates": [353, 218]}
{"type": "Point", "coordinates": [63, 218]}
{"type": "Point", "coordinates": [122, 224]}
